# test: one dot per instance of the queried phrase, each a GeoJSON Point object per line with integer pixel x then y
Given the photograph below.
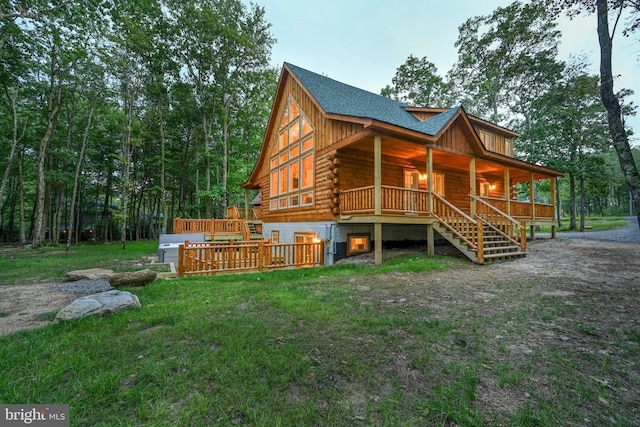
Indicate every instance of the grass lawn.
{"type": "Point", "coordinates": [339, 346]}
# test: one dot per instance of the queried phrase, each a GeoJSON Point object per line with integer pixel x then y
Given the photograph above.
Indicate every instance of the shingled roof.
{"type": "Point", "coordinates": [338, 98]}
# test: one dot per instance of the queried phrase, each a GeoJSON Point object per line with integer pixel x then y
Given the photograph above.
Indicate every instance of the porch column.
{"type": "Point", "coordinates": [532, 195]}
{"type": "Point", "coordinates": [552, 182]}
{"type": "Point", "coordinates": [377, 236]}
{"type": "Point", "coordinates": [377, 197]}
{"type": "Point", "coordinates": [430, 178]}
{"type": "Point", "coordinates": [472, 182]}
{"type": "Point", "coordinates": [430, 239]}
{"type": "Point", "coordinates": [377, 175]}
{"type": "Point", "coordinates": [246, 203]}
{"type": "Point", "coordinates": [507, 189]}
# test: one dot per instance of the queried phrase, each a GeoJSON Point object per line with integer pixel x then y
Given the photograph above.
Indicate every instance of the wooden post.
{"type": "Point", "coordinates": [507, 189]}
{"type": "Point", "coordinates": [472, 182]}
{"type": "Point", "coordinates": [430, 178]}
{"type": "Point", "coordinates": [480, 246]}
{"type": "Point", "coordinates": [246, 203]}
{"type": "Point", "coordinates": [180, 260]}
{"type": "Point", "coordinates": [532, 199]}
{"type": "Point", "coordinates": [377, 235]}
{"type": "Point", "coordinates": [552, 181]}
{"type": "Point", "coordinates": [430, 240]}
{"type": "Point", "coordinates": [377, 175]}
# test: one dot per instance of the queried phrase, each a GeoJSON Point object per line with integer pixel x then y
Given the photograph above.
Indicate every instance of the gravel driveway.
{"type": "Point", "coordinates": [629, 234]}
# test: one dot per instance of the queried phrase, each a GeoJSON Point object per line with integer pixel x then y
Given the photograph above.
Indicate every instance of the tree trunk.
{"type": "Point", "coordinates": [612, 105]}
{"type": "Point", "coordinates": [39, 211]}
{"type": "Point", "coordinates": [14, 143]}
{"type": "Point", "coordinates": [572, 202]}
{"type": "Point", "coordinates": [76, 178]}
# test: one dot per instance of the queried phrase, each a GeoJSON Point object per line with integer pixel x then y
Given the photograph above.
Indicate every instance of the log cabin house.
{"type": "Point", "coordinates": [361, 172]}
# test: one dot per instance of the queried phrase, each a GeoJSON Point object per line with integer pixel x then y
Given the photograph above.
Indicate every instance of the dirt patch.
{"type": "Point", "coordinates": [29, 306]}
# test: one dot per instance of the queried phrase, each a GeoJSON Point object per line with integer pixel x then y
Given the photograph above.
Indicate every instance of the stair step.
{"type": "Point", "coordinates": [504, 249]}
{"type": "Point", "coordinates": [504, 256]}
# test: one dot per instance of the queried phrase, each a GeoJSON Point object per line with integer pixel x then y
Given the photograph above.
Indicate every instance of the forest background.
{"type": "Point", "coordinates": [118, 116]}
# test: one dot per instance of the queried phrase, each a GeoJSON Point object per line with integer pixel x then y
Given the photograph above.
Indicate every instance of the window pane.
{"type": "Point", "coordinates": [284, 182]}
{"type": "Point", "coordinates": [274, 183]}
{"type": "Point", "coordinates": [307, 144]}
{"type": "Point", "coordinates": [285, 118]}
{"type": "Point", "coordinates": [283, 140]}
{"type": "Point", "coordinates": [294, 131]}
{"type": "Point", "coordinates": [294, 201]}
{"type": "Point", "coordinates": [307, 199]}
{"type": "Point", "coordinates": [307, 171]}
{"type": "Point", "coordinates": [294, 151]}
{"type": "Point", "coordinates": [273, 205]}
{"type": "Point", "coordinates": [274, 162]}
{"type": "Point", "coordinates": [283, 203]}
{"type": "Point", "coordinates": [284, 157]}
{"type": "Point", "coordinates": [295, 176]}
{"type": "Point", "coordinates": [293, 111]}
{"type": "Point", "coordinates": [306, 127]}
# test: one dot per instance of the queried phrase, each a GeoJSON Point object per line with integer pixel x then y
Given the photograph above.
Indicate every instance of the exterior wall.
{"type": "Point", "coordinates": [335, 235]}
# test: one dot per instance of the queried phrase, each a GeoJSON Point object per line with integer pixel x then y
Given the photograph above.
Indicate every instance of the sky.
{"type": "Point", "coordinates": [363, 42]}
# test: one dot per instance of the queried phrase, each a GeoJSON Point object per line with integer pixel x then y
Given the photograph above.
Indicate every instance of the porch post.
{"type": "Point", "coordinates": [377, 175]}
{"type": "Point", "coordinates": [507, 189]}
{"type": "Point", "coordinates": [533, 206]}
{"type": "Point", "coordinates": [472, 182]}
{"type": "Point", "coordinates": [430, 178]}
{"type": "Point", "coordinates": [552, 181]}
{"type": "Point", "coordinates": [377, 236]}
{"type": "Point", "coordinates": [430, 239]}
{"type": "Point", "coordinates": [377, 197]}
{"type": "Point", "coordinates": [246, 203]}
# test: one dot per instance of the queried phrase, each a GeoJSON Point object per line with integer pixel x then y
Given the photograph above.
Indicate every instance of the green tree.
{"type": "Point", "coordinates": [568, 124]}
{"type": "Point", "coordinates": [606, 34]}
{"type": "Point", "coordinates": [417, 83]}
{"type": "Point", "coordinates": [505, 59]}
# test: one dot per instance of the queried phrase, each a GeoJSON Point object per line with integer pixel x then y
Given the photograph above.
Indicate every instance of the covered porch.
{"type": "Point", "coordinates": [387, 180]}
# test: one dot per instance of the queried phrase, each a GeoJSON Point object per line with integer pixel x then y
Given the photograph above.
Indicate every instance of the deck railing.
{"type": "Point", "coordinates": [183, 226]}
{"type": "Point", "coordinates": [235, 212]}
{"type": "Point", "coordinates": [206, 258]}
{"type": "Point", "coordinates": [395, 200]}
{"type": "Point", "coordinates": [214, 227]}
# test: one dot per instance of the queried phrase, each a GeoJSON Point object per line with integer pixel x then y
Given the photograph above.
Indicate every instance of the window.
{"type": "Point", "coordinates": [358, 244]}
{"type": "Point", "coordinates": [507, 147]}
{"type": "Point", "coordinates": [275, 236]}
{"type": "Point", "coordinates": [438, 183]}
{"type": "Point", "coordinates": [487, 139]}
{"type": "Point", "coordinates": [292, 161]}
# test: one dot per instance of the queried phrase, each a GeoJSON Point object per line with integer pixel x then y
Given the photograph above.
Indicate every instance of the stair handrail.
{"type": "Point", "coordinates": [517, 234]}
{"type": "Point", "coordinates": [473, 242]}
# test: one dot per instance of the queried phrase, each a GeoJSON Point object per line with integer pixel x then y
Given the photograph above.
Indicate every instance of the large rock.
{"type": "Point", "coordinates": [99, 304]}
{"type": "Point", "coordinates": [133, 279]}
{"type": "Point", "coordinates": [91, 274]}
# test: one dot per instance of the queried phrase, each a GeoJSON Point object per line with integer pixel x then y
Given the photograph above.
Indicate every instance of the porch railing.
{"type": "Point", "coordinates": [395, 200]}
{"type": "Point", "coordinates": [207, 258]}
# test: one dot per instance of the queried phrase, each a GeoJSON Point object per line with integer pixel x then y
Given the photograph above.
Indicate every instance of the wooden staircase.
{"type": "Point", "coordinates": [488, 237]}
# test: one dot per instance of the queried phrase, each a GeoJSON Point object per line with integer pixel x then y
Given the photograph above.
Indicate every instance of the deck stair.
{"type": "Point", "coordinates": [253, 229]}
{"type": "Point", "coordinates": [496, 235]}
